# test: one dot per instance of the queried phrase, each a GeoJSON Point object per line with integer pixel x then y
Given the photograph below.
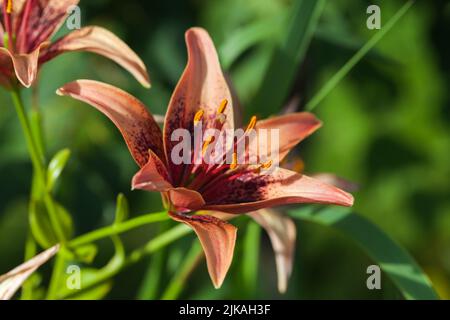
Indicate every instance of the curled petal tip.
{"type": "Point", "coordinates": [147, 84]}
{"type": "Point", "coordinates": [350, 199]}
{"type": "Point", "coordinates": [194, 30]}
{"type": "Point", "coordinates": [217, 238]}
{"type": "Point", "coordinates": [344, 198]}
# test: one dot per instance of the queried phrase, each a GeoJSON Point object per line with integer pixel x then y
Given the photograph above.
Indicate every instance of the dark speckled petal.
{"type": "Point", "coordinates": [251, 191]}
{"type": "Point", "coordinates": [139, 129]}
{"type": "Point", "coordinates": [44, 17]}
{"type": "Point", "coordinates": [202, 86]}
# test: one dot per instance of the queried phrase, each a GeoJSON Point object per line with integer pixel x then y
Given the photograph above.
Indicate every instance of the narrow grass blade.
{"type": "Point", "coordinates": [287, 58]}
{"type": "Point", "coordinates": [175, 286]}
{"type": "Point", "coordinates": [346, 68]}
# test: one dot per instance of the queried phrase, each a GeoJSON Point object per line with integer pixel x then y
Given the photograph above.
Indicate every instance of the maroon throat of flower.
{"type": "Point", "coordinates": [202, 176]}
{"type": "Point", "coordinates": [15, 42]}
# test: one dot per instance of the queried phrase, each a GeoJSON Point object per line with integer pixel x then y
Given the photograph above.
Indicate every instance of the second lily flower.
{"type": "Point", "coordinates": [27, 28]}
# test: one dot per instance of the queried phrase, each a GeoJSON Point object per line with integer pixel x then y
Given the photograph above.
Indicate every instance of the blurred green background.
{"type": "Point", "coordinates": [386, 127]}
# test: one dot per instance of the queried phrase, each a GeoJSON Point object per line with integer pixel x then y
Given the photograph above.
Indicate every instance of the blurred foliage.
{"type": "Point", "coordinates": [386, 127]}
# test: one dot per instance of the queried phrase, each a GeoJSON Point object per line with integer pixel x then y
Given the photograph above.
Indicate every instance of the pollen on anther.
{"type": "Point", "coordinates": [9, 7]}
{"type": "Point", "coordinates": [233, 164]}
{"type": "Point", "coordinates": [198, 117]}
{"type": "Point", "coordinates": [206, 144]}
{"type": "Point", "coordinates": [267, 165]}
{"type": "Point", "coordinates": [251, 124]}
{"type": "Point", "coordinates": [222, 106]}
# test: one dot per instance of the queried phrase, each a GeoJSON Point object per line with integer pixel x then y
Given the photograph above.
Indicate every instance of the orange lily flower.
{"type": "Point", "coordinates": [203, 94]}
{"type": "Point", "coordinates": [28, 25]}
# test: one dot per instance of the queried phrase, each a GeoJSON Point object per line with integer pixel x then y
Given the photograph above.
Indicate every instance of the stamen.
{"type": "Point", "coordinates": [222, 106]}
{"type": "Point", "coordinates": [198, 117]}
{"type": "Point", "coordinates": [251, 124]}
{"type": "Point", "coordinates": [9, 7]}
{"type": "Point", "coordinates": [206, 144]}
{"type": "Point", "coordinates": [221, 118]}
{"type": "Point", "coordinates": [233, 164]}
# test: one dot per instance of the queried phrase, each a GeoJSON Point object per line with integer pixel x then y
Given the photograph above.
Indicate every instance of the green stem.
{"type": "Point", "coordinates": [30, 252]}
{"type": "Point", "coordinates": [38, 161]}
{"type": "Point", "coordinates": [152, 246]}
{"type": "Point", "coordinates": [157, 243]}
{"type": "Point", "coordinates": [58, 270]}
{"type": "Point", "coordinates": [118, 228]}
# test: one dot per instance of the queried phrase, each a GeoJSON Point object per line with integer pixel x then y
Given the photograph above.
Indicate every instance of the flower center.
{"type": "Point", "coordinates": [200, 176]}
{"type": "Point", "coordinates": [15, 38]}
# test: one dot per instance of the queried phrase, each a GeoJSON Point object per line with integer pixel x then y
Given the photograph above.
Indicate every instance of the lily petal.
{"type": "Point", "coordinates": [103, 42]}
{"type": "Point", "coordinates": [13, 280]}
{"type": "Point", "coordinates": [139, 129]}
{"type": "Point", "coordinates": [217, 238]}
{"type": "Point", "coordinates": [293, 128]}
{"type": "Point", "coordinates": [25, 65]}
{"type": "Point", "coordinates": [153, 176]}
{"type": "Point", "coordinates": [6, 70]}
{"type": "Point", "coordinates": [43, 21]}
{"type": "Point", "coordinates": [251, 191]}
{"type": "Point", "coordinates": [186, 199]}
{"type": "Point", "coordinates": [282, 232]}
{"type": "Point", "coordinates": [202, 86]}
{"type": "Point", "coordinates": [334, 180]}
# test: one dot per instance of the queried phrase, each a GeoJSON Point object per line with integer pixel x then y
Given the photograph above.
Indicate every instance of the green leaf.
{"type": "Point", "coordinates": [395, 261]}
{"type": "Point", "coordinates": [246, 37]}
{"type": "Point", "coordinates": [41, 226]}
{"type": "Point", "coordinates": [86, 253]}
{"type": "Point", "coordinates": [87, 291]}
{"type": "Point", "coordinates": [97, 292]}
{"type": "Point", "coordinates": [56, 166]}
{"type": "Point", "coordinates": [250, 258]}
{"type": "Point", "coordinates": [287, 58]}
{"type": "Point", "coordinates": [96, 283]}
{"type": "Point", "coordinates": [176, 284]}
{"type": "Point", "coordinates": [122, 209]}
{"type": "Point", "coordinates": [346, 68]}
